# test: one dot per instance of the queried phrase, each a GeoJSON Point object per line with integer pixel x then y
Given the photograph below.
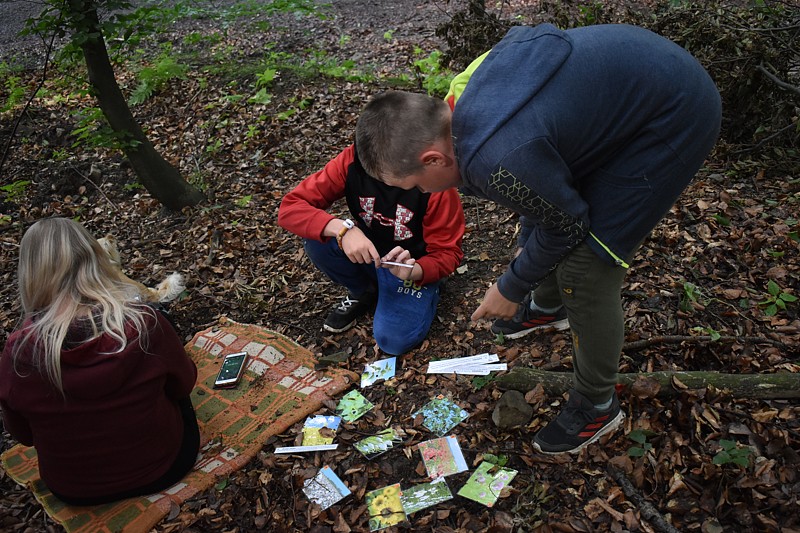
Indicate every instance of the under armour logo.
{"type": "Point", "coordinates": [402, 216]}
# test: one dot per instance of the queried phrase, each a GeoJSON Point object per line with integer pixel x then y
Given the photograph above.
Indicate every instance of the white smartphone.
{"type": "Point", "coordinates": [231, 370]}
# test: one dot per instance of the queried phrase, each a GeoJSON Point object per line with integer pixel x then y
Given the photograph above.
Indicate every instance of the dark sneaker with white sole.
{"type": "Point", "coordinates": [578, 425]}
{"type": "Point", "coordinates": [343, 316]}
{"type": "Point", "coordinates": [528, 320]}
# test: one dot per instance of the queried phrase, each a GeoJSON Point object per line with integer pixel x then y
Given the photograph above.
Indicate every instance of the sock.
{"type": "Point", "coordinates": [605, 405]}
{"type": "Point", "coordinates": [545, 310]}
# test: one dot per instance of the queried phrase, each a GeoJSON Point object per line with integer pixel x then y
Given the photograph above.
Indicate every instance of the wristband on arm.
{"type": "Point", "coordinates": [348, 225]}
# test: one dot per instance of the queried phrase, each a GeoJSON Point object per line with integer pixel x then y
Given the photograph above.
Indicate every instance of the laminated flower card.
{"type": "Point", "coordinates": [424, 495]}
{"type": "Point", "coordinates": [320, 429]}
{"type": "Point", "coordinates": [486, 483]}
{"type": "Point", "coordinates": [385, 508]}
{"type": "Point", "coordinates": [325, 489]}
{"type": "Point", "coordinates": [373, 372]}
{"type": "Point", "coordinates": [375, 445]}
{"type": "Point", "coordinates": [440, 415]}
{"type": "Point", "coordinates": [442, 457]}
{"type": "Point", "coordinates": [353, 406]}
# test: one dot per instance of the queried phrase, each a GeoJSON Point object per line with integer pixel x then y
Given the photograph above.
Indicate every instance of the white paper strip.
{"type": "Point", "coordinates": [463, 361]}
{"type": "Point", "coordinates": [301, 449]}
{"type": "Point", "coordinates": [480, 370]}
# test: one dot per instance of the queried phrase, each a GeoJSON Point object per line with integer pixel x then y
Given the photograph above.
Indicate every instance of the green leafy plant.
{"type": "Point", "coordinates": [262, 97]}
{"type": "Point", "coordinates": [479, 382]}
{"type": "Point", "coordinates": [266, 77]}
{"type": "Point", "coordinates": [196, 37]}
{"type": "Point", "coordinates": [12, 87]}
{"type": "Point", "coordinates": [302, 104]}
{"type": "Point", "coordinates": [263, 81]}
{"type": "Point", "coordinates": [711, 332]}
{"type": "Point", "coordinates": [214, 147]}
{"type": "Point", "coordinates": [591, 13]}
{"type": "Point", "coordinates": [730, 452]}
{"type": "Point", "coordinates": [776, 299]}
{"type": "Point", "coordinates": [155, 77]}
{"type": "Point", "coordinates": [691, 294]}
{"type": "Point", "coordinates": [92, 130]}
{"type": "Point", "coordinates": [722, 220]}
{"type": "Point", "coordinates": [244, 200]}
{"type": "Point", "coordinates": [499, 460]}
{"type": "Point", "coordinates": [642, 447]}
{"type": "Point", "coordinates": [252, 131]}
{"type": "Point", "coordinates": [432, 76]}
{"type": "Point", "coordinates": [15, 190]}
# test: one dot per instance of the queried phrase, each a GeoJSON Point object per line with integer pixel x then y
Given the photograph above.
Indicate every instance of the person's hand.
{"type": "Point", "coordinates": [495, 305]}
{"type": "Point", "coordinates": [400, 255]}
{"type": "Point", "coordinates": [358, 248]}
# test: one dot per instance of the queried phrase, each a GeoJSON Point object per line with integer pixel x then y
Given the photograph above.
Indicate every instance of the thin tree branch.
{"type": "Point", "coordinates": [646, 509]}
{"type": "Point", "coordinates": [677, 339]}
{"type": "Point", "coordinates": [11, 135]}
{"type": "Point", "coordinates": [777, 81]}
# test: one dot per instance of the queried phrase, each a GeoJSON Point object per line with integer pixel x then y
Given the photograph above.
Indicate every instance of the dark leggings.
{"type": "Point", "coordinates": [187, 455]}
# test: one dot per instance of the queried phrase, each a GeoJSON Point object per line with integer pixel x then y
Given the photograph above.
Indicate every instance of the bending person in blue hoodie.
{"type": "Point", "coordinates": [590, 134]}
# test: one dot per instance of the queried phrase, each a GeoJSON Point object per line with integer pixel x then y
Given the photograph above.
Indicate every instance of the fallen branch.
{"type": "Point", "coordinates": [677, 339]}
{"type": "Point", "coordinates": [783, 385]}
{"type": "Point", "coordinates": [646, 509]}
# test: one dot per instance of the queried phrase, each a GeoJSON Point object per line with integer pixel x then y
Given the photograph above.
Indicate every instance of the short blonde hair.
{"type": "Point", "coordinates": [395, 128]}
{"type": "Point", "coordinates": [65, 275]}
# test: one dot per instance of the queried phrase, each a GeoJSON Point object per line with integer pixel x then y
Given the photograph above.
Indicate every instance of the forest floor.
{"type": "Point", "coordinates": [705, 271]}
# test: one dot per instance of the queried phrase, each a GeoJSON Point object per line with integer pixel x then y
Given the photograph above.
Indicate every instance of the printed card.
{"type": "Point", "coordinates": [353, 406]}
{"type": "Point", "coordinates": [424, 495]}
{"type": "Point", "coordinates": [440, 415]}
{"type": "Point", "coordinates": [325, 489]}
{"type": "Point", "coordinates": [486, 483]}
{"type": "Point", "coordinates": [375, 445]}
{"type": "Point", "coordinates": [385, 508]}
{"type": "Point", "coordinates": [442, 457]}
{"type": "Point", "coordinates": [379, 370]}
{"type": "Point", "coordinates": [320, 429]}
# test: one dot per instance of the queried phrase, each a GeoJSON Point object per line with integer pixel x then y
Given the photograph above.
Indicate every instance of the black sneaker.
{"type": "Point", "coordinates": [527, 320]}
{"type": "Point", "coordinates": [577, 425]}
{"type": "Point", "coordinates": [343, 316]}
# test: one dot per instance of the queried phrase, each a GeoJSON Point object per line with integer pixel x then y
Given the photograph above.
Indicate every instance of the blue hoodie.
{"type": "Point", "coordinates": [590, 134]}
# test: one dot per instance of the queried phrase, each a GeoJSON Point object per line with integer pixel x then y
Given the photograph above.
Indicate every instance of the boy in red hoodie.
{"type": "Point", "coordinates": [420, 232]}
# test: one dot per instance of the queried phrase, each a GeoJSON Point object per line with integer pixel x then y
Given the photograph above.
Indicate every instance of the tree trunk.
{"type": "Point", "coordinates": [762, 386]}
{"type": "Point", "coordinates": [161, 179]}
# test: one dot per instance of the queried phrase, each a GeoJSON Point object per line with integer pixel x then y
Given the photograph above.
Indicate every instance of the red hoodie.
{"type": "Point", "coordinates": [117, 426]}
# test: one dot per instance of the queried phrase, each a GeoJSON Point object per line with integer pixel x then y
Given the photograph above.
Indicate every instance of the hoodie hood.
{"type": "Point", "coordinates": [98, 368]}
{"type": "Point", "coordinates": [546, 48]}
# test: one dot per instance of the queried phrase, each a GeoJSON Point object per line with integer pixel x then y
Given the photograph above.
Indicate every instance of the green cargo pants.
{"type": "Point", "coordinates": [590, 289]}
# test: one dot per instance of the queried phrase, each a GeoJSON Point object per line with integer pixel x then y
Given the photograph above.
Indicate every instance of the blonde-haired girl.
{"type": "Point", "coordinates": [95, 380]}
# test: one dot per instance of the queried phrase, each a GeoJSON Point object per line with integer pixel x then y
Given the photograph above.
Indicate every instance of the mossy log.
{"type": "Point", "coordinates": [782, 385]}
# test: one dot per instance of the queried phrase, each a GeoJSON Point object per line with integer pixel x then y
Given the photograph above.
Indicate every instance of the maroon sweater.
{"type": "Point", "coordinates": [117, 426]}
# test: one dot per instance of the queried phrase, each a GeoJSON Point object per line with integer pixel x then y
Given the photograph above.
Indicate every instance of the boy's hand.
{"type": "Point", "coordinates": [495, 305]}
{"type": "Point", "coordinates": [358, 248]}
{"type": "Point", "coordinates": [399, 255]}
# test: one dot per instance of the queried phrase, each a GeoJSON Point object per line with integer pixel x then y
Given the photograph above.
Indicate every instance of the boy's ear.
{"type": "Point", "coordinates": [439, 154]}
{"type": "Point", "coordinates": [434, 157]}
